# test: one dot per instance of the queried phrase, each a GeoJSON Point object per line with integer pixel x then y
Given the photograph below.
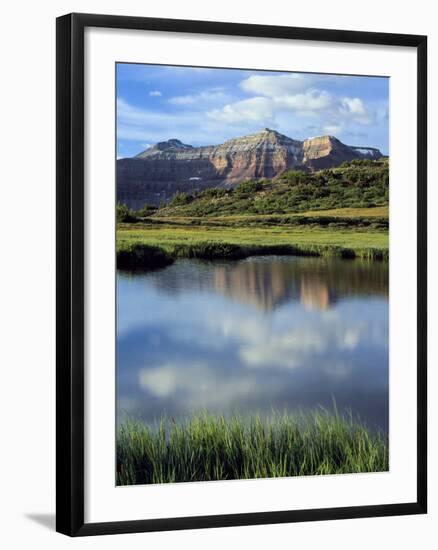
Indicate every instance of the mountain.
{"type": "Point", "coordinates": [168, 167]}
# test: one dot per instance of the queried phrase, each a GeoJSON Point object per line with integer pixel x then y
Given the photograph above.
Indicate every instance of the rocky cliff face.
{"type": "Point", "coordinates": [158, 173]}
{"type": "Point", "coordinates": [327, 151]}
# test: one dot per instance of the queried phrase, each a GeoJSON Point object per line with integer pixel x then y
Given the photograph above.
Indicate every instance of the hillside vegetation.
{"type": "Point", "coordinates": [357, 184]}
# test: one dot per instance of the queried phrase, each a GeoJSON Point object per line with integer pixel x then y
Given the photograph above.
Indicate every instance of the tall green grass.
{"type": "Point", "coordinates": [139, 252]}
{"type": "Point", "coordinates": [176, 240]}
{"type": "Point", "coordinates": [208, 448]}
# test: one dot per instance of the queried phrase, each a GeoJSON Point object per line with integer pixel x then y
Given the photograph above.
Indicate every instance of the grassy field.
{"type": "Point", "coordinates": [207, 448]}
{"type": "Point", "coordinates": [221, 241]}
{"type": "Point", "coordinates": [376, 211]}
{"type": "Point", "coordinates": [352, 213]}
{"type": "Point", "coordinates": [155, 241]}
{"type": "Point", "coordinates": [169, 235]}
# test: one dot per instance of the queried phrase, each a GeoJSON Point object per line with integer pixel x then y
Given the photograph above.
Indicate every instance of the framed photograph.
{"type": "Point", "coordinates": [241, 274]}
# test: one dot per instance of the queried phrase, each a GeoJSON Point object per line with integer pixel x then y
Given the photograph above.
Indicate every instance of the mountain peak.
{"type": "Point", "coordinates": [263, 138]}
{"type": "Point", "coordinates": [171, 166]}
{"type": "Point", "coordinates": [269, 132]}
{"type": "Point", "coordinates": [170, 145]}
{"type": "Point", "coordinates": [323, 137]}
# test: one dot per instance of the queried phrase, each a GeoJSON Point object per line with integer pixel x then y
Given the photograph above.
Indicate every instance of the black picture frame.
{"type": "Point", "coordinates": [70, 273]}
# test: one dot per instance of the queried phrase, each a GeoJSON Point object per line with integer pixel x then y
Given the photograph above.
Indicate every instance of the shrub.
{"type": "Point", "coordinates": [147, 210]}
{"type": "Point", "coordinates": [181, 198]}
{"type": "Point", "coordinates": [124, 214]}
{"type": "Point", "coordinates": [213, 192]}
{"type": "Point", "coordinates": [247, 187]}
{"type": "Point", "coordinates": [295, 177]}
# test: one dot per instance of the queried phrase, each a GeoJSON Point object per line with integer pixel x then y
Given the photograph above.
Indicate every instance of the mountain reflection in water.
{"type": "Point", "coordinates": [266, 282]}
{"type": "Point", "coordinates": [252, 335]}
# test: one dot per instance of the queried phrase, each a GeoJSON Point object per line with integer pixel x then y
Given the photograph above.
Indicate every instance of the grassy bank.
{"type": "Point", "coordinates": [156, 241]}
{"type": "Point", "coordinates": [139, 256]}
{"type": "Point", "coordinates": [172, 240]}
{"type": "Point", "coordinates": [206, 448]}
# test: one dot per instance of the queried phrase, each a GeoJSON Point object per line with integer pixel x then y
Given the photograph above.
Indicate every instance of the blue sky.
{"type": "Point", "coordinates": [208, 106]}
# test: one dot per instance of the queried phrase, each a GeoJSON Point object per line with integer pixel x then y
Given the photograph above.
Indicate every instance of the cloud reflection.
{"type": "Point", "coordinates": [186, 343]}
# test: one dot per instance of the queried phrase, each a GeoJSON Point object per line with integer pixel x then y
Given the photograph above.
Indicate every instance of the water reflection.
{"type": "Point", "coordinates": [267, 282]}
{"type": "Point", "coordinates": [262, 333]}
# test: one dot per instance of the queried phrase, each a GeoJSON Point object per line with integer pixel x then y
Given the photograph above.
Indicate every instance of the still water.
{"type": "Point", "coordinates": [264, 333]}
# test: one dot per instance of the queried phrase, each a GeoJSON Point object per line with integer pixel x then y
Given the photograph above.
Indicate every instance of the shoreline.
{"type": "Point", "coordinates": [146, 257]}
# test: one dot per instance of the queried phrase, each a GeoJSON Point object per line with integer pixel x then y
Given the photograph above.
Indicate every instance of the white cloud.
{"type": "Point", "coordinates": [161, 381]}
{"type": "Point", "coordinates": [155, 93]}
{"type": "Point", "coordinates": [293, 346]}
{"type": "Point", "coordinates": [351, 337]}
{"type": "Point", "coordinates": [199, 384]}
{"type": "Point", "coordinates": [312, 100]}
{"type": "Point", "coordinates": [255, 109]}
{"type": "Point", "coordinates": [288, 350]}
{"type": "Point", "coordinates": [284, 95]}
{"type": "Point", "coordinates": [207, 96]}
{"type": "Point", "coordinates": [274, 86]}
{"type": "Point", "coordinates": [353, 105]}
{"type": "Point", "coordinates": [354, 108]}
{"type": "Point", "coordinates": [278, 97]}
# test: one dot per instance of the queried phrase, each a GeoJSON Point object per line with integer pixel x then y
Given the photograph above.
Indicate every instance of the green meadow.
{"type": "Point", "coordinates": [230, 238]}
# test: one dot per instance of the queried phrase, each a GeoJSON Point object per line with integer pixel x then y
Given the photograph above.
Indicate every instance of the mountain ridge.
{"type": "Point", "coordinates": [159, 172]}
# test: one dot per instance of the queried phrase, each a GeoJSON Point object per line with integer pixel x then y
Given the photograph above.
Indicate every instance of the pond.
{"type": "Point", "coordinates": [251, 336]}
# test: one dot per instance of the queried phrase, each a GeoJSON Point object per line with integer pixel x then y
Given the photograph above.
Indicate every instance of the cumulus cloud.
{"type": "Point", "coordinates": [265, 109]}
{"type": "Point", "coordinates": [161, 381]}
{"type": "Point", "coordinates": [274, 86]}
{"type": "Point", "coordinates": [309, 104]}
{"type": "Point", "coordinates": [196, 385]}
{"type": "Point", "coordinates": [294, 346]}
{"type": "Point", "coordinates": [354, 107]}
{"type": "Point", "coordinates": [280, 96]}
{"type": "Point", "coordinates": [255, 109]}
{"type": "Point", "coordinates": [312, 100]}
{"type": "Point", "coordinates": [204, 97]}
{"type": "Point", "coordinates": [191, 383]}
{"type": "Point", "coordinates": [155, 93]}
